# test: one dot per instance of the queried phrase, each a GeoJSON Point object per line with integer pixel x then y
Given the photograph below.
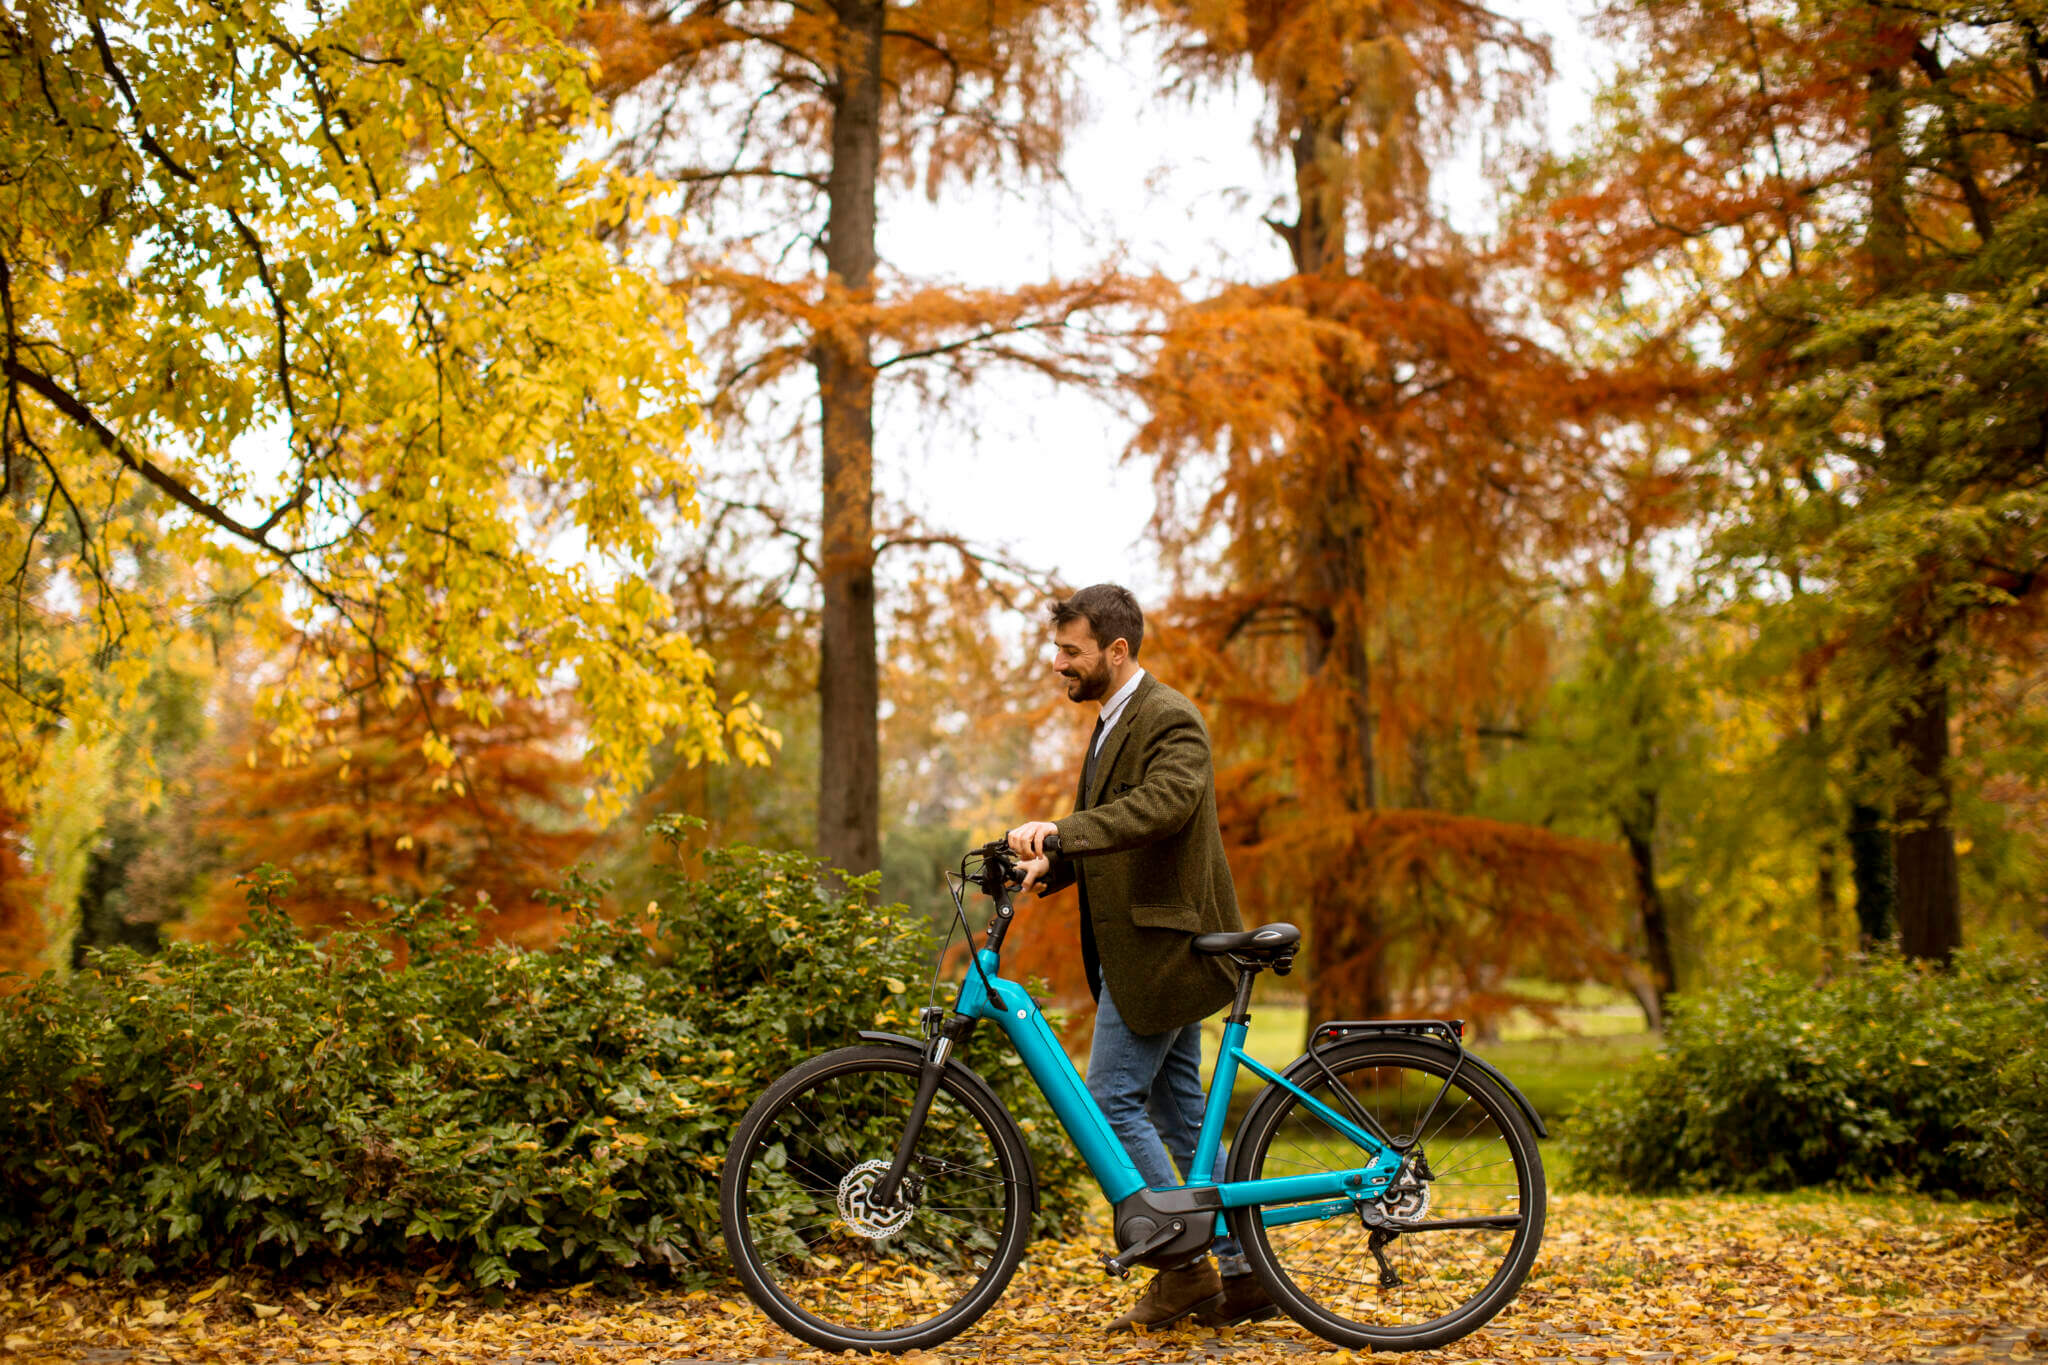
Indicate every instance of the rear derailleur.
{"type": "Point", "coordinates": [1404, 1203]}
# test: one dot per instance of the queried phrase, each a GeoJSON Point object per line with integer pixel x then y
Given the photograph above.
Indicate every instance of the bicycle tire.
{"type": "Point", "coordinates": [798, 1158]}
{"type": "Point", "coordinates": [1452, 1281]}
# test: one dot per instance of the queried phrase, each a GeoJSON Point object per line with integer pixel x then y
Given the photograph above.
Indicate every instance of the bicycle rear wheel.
{"type": "Point", "coordinates": [822, 1260]}
{"type": "Point", "coordinates": [1474, 1163]}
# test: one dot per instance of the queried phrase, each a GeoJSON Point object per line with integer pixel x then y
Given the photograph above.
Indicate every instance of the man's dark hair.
{"type": "Point", "coordinates": [1110, 611]}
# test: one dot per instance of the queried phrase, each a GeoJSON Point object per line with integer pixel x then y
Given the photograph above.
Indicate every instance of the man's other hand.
{"type": "Point", "coordinates": [1028, 840]}
{"type": "Point", "coordinates": [1034, 870]}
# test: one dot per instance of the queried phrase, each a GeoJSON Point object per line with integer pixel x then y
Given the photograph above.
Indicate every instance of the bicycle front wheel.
{"type": "Point", "coordinates": [826, 1262]}
{"type": "Point", "coordinates": [1469, 1204]}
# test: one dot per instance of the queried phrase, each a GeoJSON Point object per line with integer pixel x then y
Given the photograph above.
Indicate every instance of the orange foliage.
{"type": "Point", "coordinates": [21, 932]}
{"type": "Point", "coordinates": [1367, 473]}
{"type": "Point", "coordinates": [1047, 940]}
{"type": "Point", "coordinates": [369, 814]}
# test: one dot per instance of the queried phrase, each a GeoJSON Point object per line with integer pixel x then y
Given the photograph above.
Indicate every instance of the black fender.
{"type": "Point", "coordinates": [1304, 1069]}
{"type": "Point", "coordinates": [970, 1080]}
{"type": "Point", "coordinates": [1493, 1073]}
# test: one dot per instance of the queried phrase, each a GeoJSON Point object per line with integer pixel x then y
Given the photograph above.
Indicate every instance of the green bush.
{"type": "Point", "coordinates": [506, 1112]}
{"type": "Point", "coordinates": [1885, 1075]}
{"type": "Point", "coordinates": [2012, 1129]}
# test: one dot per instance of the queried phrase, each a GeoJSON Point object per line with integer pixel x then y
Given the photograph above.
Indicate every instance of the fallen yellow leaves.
{"type": "Point", "coordinates": [1720, 1280]}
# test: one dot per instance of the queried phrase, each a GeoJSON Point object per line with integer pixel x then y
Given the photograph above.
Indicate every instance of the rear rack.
{"type": "Point", "coordinates": [1452, 1031]}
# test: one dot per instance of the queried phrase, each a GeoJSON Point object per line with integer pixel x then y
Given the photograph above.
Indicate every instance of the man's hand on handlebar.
{"type": "Point", "coordinates": [1028, 839]}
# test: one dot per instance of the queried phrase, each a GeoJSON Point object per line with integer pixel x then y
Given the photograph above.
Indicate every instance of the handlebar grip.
{"type": "Point", "coordinates": [1052, 845]}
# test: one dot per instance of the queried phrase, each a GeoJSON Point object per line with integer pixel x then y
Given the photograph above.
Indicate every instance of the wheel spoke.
{"type": "Point", "coordinates": [1480, 1164]}
{"type": "Point", "coordinates": [820, 1257]}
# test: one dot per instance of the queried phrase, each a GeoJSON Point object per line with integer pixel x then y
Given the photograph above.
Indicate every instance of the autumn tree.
{"type": "Point", "coordinates": [1846, 200]}
{"type": "Point", "coordinates": [313, 300]}
{"type": "Point", "coordinates": [1388, 463]}
{"type": "Point", "coordinates": [364, 812]}
{"type": "Point", "coordinates": [962, 699]}
{"type": "Point", "coordinates": [21, 938]}
{"type": "Point", "coordinates": [787, 125]}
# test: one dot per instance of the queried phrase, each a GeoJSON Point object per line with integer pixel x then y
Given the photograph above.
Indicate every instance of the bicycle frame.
{"type": "Point", "coordinates": [1283, 1199]}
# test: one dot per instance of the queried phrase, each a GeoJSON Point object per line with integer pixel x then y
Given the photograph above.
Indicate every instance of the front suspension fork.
{"type": "Point", "coordinates": [954, 1032]}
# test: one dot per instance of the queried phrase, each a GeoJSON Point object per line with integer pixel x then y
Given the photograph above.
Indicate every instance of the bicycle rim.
{"type": "Point", "coordinates": [821, 1259]}
{"type": "Point", "coordinates": [1476, 1158]}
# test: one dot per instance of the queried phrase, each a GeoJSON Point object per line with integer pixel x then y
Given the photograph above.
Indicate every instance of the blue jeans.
{"type": "Point", "coordinates": [1150, 1088]}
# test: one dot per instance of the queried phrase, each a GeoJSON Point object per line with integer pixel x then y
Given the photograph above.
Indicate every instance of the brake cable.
{"type": "Point", "coordinates": [957, 884]}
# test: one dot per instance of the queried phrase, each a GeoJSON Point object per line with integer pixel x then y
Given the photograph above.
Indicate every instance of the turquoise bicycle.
{"type": "Point", "coordinates": [1386, 1186]}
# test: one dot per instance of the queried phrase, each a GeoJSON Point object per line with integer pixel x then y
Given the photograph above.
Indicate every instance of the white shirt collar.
{"type": "Point", "coordinates": [1113, 709]}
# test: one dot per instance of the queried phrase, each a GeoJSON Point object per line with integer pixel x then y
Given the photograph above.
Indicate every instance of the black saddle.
{"type": "Point", "coordinates": [1266, 943]}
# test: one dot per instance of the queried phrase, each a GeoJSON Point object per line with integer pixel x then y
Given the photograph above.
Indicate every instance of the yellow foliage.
{"type": "Point", "coordinates": [315, 303]}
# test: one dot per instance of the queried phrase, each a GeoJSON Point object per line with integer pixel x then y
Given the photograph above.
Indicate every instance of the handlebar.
{"type": "Point", "coordinates": [998, 870]}
{"type": "Point", "coordinates": [996, 873]}
{"type": "Point", "coordinates": [996, 854]}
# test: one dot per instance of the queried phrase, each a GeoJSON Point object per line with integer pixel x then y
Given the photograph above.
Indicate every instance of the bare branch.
{"type": "Point", "coordinates": [242, 229]}
{"type": "Point", "coordinates": [748, 172]}
{"type": "Point", "coordinates": [70, 405]}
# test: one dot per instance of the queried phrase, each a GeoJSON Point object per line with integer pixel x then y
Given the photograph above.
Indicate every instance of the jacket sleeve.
{"type": "Point", "coordinates": [1059, 877]}
{"type": "Point", "coordinates": [1174, 776]}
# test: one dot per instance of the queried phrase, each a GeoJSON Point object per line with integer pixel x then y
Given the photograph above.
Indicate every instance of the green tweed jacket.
{"type": "Point", "coordinates": [1145, 848]}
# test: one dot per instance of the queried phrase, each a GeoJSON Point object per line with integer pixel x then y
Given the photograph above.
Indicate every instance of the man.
{"type": "Point", "coordinates": [1145, 849]}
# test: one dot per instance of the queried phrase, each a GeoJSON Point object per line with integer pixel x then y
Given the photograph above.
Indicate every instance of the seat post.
{"type": "Point", "coordinates": [1241, 1008]}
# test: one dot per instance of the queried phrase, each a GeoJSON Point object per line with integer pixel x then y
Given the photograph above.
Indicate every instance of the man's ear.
{"type": "Point", "coordinates": [1119, 650]}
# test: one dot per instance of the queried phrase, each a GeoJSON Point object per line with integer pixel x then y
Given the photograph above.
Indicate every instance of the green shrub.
{"type": "Point", "coordinates": [510, 1113]}
{"type": "Point", "coordinates": [2011, 1130]}
{"type": "Point", "coordinates": [1888, 1074]}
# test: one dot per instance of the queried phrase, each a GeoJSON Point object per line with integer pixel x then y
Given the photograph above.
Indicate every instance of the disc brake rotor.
{"type": "Point", "coordinates": [1408, 1200]}
{"type": "Point", "coordinates": [862, 1215]}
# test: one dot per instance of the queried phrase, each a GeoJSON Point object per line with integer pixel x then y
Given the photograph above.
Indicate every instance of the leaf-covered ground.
{"type": "Point", "coordinates": [1716, 1280]}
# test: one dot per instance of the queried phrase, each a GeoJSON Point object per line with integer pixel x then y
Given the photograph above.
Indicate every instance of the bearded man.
{"type": "Point", "coordinates": [1144, 847]}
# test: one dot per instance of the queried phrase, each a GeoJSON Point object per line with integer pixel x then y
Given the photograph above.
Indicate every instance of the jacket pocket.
{"type": "Point", "coordinates": [1185, 918]}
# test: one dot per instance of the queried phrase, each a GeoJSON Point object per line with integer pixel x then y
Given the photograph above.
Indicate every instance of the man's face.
{"type": "Point", "coordinates": [1084, 665]}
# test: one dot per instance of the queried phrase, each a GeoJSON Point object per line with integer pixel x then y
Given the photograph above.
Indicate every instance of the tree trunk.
{"type": "Point", "coordinates": [849, 691]}
{"type": "Point", "coordinates": [1886, 240]}
{"type": "Point", "coordinates": [1827, 898]}
{"type": "Point", "coordinates": [1924, 847]}
{"type": "Point", "coordinates": [1317, 240]}
{"type": "Point", "coordinates": [1870, 870]}
{"type": "Point", "coordinates": [1347, 974]}
{"type": "Point", "coordinates": [1348, 977]}
{"type": "Point", "coordinates": [1827, 879]}
{"type": "Point", "coordinates": [1640, 835]}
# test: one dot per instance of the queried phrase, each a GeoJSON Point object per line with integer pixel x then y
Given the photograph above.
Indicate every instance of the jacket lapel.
{"type": "Point", "coordinates": [1113, 743]}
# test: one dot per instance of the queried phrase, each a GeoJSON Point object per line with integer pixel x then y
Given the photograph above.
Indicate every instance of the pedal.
{"type": "Point", "coordinates": [1120, 1264]}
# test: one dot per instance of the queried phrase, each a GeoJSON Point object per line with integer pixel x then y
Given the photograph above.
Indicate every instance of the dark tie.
{"type": "Point", "coordinates": [1088, 768]}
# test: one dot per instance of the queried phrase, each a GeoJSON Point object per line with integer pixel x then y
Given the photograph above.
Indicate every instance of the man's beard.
{"type": "Point", "coordinates": [1089, 686]}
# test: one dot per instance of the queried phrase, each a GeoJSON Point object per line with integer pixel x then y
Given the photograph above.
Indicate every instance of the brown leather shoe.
{"type": "Point", "coordinates": [1243, 1299]}
{"type": "Point", "coordinates": [1173, 1295]}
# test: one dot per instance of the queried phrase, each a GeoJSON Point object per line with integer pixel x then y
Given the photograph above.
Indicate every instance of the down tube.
{"type": "Point", "coordinates": [1047, 1062]}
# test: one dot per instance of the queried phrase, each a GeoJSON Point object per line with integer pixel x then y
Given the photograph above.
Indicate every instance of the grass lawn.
{"type": "Point", "coordinates": [1552, 1066]}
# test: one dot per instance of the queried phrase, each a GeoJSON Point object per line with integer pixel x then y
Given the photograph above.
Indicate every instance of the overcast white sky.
{"type": "Point", "coordinates": [1174, 188]}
